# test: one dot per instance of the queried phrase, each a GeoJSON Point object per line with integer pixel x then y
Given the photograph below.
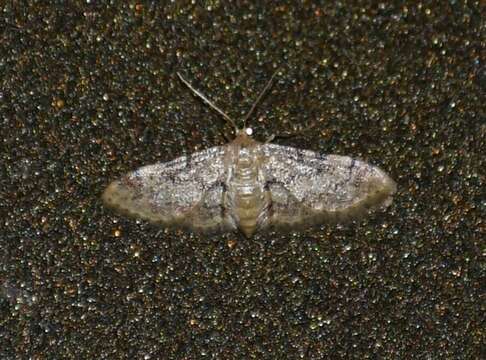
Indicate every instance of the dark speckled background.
{"type": "Point", "coordinates": [89, 92]}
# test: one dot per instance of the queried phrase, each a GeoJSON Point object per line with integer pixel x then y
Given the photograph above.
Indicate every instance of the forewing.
{"type": "Point", "coordinates": [187, 192]}
{"type": "Point", "coordinates": [308, 187]}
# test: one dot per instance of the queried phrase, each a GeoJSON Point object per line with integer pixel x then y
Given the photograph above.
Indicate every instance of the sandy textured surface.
{"type": "Point", "coordinates": [89, 92]}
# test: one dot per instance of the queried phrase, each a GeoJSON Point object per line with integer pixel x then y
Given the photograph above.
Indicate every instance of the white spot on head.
{"type": "Point", "coordinates": [249, 131]}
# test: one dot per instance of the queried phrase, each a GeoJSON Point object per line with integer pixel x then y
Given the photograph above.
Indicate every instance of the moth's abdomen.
{"type": "Point", "coordinates": [249, 209]}
{"type": "Point", "coordinates": [249, 202]}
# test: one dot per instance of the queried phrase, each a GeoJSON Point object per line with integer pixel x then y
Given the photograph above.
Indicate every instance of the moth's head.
{"type": "Point", "coordinates": [243, 137]}
{"type": "Point", "coordinates": [245, 132]}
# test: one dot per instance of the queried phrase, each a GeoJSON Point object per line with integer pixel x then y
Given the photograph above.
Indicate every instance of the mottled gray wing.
{"type": "Point", "coordinates": [308, 187]}
{"type": "Point", "coordinates": [187, 192]}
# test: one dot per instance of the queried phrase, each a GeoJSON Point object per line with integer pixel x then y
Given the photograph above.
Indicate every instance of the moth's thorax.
{"type": "Point", "coordinates": [246, 185]}
{"type": "Point", "coordinates": [245, 161]}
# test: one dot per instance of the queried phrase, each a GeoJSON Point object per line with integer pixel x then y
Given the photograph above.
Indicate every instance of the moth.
{"type": "Point", "coordinates": [250, 186]}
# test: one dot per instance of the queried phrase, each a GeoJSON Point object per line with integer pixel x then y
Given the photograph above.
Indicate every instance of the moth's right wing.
{"type": "Point", "coordinates": [311, 188]}
{"type": "Point", "coordinates": [185, 192]}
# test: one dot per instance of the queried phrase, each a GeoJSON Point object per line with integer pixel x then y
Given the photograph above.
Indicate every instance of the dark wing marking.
{"type": "Point", "coordinates": [184, 192]}
{"type": "Point", "coordinates": [307, 187]}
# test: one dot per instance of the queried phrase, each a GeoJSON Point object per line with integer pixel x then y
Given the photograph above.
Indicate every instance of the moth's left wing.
{"type": "Point", "coordinates": [308, 188]}
{"type": "Point", "coordinates": [186, 192]}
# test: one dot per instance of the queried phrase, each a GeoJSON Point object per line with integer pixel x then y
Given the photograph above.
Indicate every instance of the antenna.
{"type": "Point", "coordinates": [267, 86]}
{"type": "Point", "coordinates": [207, 101]}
